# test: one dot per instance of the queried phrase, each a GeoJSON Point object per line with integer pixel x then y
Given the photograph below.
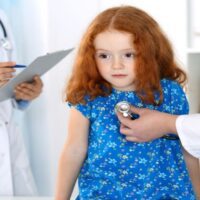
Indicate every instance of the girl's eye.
{"type": "Point", "coordinates": [104, 56]}
{"type": "Point", "coordinates": [129, 55]}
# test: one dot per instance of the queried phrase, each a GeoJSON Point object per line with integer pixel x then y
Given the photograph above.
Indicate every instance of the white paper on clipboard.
{"type": "Point", "coordinates": [38, 67]}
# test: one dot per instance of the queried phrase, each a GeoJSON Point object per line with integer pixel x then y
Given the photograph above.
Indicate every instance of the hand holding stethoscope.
{"type": "Point", "coordinates": [124, 108]}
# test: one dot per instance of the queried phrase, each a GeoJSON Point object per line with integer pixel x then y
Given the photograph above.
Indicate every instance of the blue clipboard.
{"type": "Point", "coordinates": [38, 67]}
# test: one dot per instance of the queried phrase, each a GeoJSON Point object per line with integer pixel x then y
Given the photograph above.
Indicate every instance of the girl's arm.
{"type": "Point", "coordinates": [194, 171]}
{"type": "Point", "coordinates": [73, 154]}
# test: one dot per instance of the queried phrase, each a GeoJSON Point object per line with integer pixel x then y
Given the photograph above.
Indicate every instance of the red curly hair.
{"type": "Point", "coordinates": [154, 60]}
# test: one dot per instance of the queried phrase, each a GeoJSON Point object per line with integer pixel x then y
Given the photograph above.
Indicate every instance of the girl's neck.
{"type": "Point", "coordinates": [121, 90]}
{"type": "Point", "coordinates": [128, 89]}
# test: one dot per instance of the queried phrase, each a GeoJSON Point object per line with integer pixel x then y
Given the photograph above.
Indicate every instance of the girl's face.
{"type": "Point", "coordinates": [115, 58]}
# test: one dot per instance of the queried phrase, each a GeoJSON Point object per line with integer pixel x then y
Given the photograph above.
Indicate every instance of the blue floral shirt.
{"type": "Point", "coordinates": [117, 169]}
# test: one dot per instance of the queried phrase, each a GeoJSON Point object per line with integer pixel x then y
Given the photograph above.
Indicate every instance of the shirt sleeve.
{"type": "Point", "coordinates": [188, 128]}
{"type": "Point", "coordinates": [20, 104]}
{"type": "Point", "coordinates": [85, 109]}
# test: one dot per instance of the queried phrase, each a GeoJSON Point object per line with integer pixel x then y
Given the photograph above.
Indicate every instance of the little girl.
{"type": "Point", "coordinates": [123, 56]}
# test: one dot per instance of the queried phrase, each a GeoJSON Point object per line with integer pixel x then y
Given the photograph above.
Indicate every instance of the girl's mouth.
{"type": "Point", "coordinates": [119, 75]}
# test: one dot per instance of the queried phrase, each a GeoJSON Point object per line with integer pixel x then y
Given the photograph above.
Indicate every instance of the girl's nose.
{"type": "Point", "coordinates": [117, 64]}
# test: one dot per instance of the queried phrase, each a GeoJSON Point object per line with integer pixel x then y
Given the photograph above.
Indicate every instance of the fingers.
{"type": "Point", "coordinates": [136, 130]}
{"type": "Point", "coordinates": [136, 110]}
{"type": "Point", "coordinates": [134, 139]}
{"type": "Point", "coordinates": [6, 76]}
{"type": "Point", "coordinates": [38, 82]}
{"type": "Point", "coordinates": [131, 135]}
{"type": "Point", "coordinates": [124, 120]}
{"type": "Point", "coordinates": [25, 87]}
{"type": "Point", "coordinates": [7, 64]}
{"type": "Point", "coordinates": [125, 130]}
{"type": "Point", "coordinates": [29, 91]}
{"type": "Point", "coordinates": [36, 85]}
{"type": "Point", "coordinates": [127, 126]}
{"type": "Point", "coordinates": [23, 93]}
{"type": "Point", "coordinates": [6, 72]}
{"type": "Point", "coordinates": [3, 83]}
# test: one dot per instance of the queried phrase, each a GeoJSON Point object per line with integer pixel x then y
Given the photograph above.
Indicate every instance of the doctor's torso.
{"type": "Point", "coordinates": [5, 106]}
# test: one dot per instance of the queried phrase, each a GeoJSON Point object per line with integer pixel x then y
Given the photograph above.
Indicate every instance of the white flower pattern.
{"type": "Point", "coordinates": [117, 169]}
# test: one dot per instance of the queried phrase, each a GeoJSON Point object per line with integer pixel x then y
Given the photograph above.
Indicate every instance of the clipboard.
{"type": "Point", "coordinates": [38, 67]}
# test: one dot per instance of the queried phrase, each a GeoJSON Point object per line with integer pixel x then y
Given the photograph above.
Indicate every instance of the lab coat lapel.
{"type": "Point", "coordinates": [6, 110]}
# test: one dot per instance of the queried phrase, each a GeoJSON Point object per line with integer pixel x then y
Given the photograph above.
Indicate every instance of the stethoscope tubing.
{"type": "Point", "coordinates": [4, 42]}
{"type": "Point", "coordinates": [3, 29]}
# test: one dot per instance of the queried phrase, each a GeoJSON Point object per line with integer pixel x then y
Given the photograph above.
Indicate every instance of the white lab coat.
{"type": "Point", "coordinates": [188, 128]}
{"type": "Point", "coordinates": [15, 174]}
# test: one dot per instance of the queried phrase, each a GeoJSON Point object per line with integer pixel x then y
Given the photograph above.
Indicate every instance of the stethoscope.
{"type": "Point", "coordinates": [124, 108]}
{"type": "Point", "coordinates": [5, 42]}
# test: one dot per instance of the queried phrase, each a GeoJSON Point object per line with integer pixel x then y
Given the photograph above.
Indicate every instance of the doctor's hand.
{"type": "Point", "coordinates": [6, 72]}
{"type": "Point", "coordinates": [29, 91]}
{"type": "Point", "coordinates": [149, 126]}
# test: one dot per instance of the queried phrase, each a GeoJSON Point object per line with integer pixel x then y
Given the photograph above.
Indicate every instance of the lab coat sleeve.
{"type": "Point", "coordinates": [188, 128]}
{"type": "Point", "coordinates": [20, 104]}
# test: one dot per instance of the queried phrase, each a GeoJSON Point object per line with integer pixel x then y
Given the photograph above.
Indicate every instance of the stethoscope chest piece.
{"type": "Point", "coordinates": [123, 107]}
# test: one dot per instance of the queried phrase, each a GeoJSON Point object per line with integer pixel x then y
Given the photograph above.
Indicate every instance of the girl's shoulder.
{"type": "Point", "coordinates": [170, 85]}
{"type": "Point", "coordinates": [90, 106]}
{"type": "Point", "coordinates": [174, 95]}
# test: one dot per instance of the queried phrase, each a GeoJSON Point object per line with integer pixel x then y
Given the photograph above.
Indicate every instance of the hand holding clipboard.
{"type": "Point", "coordinates": [38, 67]}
